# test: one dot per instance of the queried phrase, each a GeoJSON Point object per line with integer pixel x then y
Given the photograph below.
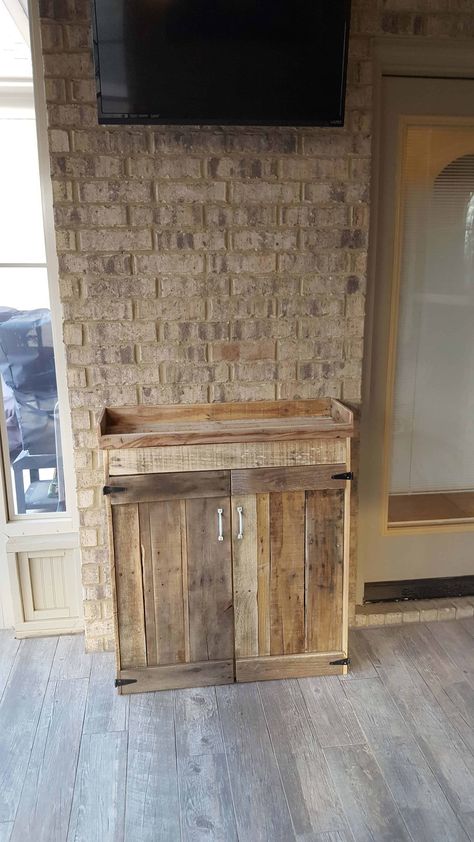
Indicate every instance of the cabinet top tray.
{"type": "Point", "coordinates": [255, 421]}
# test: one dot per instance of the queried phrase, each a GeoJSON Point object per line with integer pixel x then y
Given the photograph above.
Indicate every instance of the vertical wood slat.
{"type": "Point", "coordinates": [263, 572]}
{"type": "Point", "coordinates": [129, 586]}
{"type": "Point", "coordinates": [164, 566]}
{"type": "Point", "coordinates": [287, 548]}
{"type": "Point", "coordinates": [324, 570]}
{"type": "Point", "coordinates": [211, 623]}
{"type": "Point", "coordinates": [244, 564]}
{"type": "Point", "coordinates": [148, 584]}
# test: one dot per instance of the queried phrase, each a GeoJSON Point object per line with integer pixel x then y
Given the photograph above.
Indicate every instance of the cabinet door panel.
{"type": "Point", "coordinates": [294, 555]}
{"type": "Point", "coordinates": [173, 583]}
{"type": "Point", "coordinates": [211, 625]}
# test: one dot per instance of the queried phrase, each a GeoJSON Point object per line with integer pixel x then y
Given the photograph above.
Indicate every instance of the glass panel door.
{"type": "Point", "coordinates": [432, 424]}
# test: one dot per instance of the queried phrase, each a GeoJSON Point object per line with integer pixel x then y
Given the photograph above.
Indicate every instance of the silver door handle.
{"type": "Point", "coordinates": [220, 525]}
{"type": "Point", "coordinates": [240, 533]}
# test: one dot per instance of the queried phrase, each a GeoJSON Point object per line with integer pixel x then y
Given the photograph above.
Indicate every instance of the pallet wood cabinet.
{"type": "Point", "coordinates": [229, 541]}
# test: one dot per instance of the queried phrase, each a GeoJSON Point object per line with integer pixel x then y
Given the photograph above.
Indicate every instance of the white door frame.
{"type": "Point", "coordinates": [413, 56]}
{"type": "Point", "coordinates": [45, 532]}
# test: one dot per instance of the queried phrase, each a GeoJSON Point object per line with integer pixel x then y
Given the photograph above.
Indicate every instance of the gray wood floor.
{"type": "Point", "coordinates": [385, 754]}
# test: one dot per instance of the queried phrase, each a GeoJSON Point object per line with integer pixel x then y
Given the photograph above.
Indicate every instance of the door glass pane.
{"type": "Point", "coordinates": [30, 395]}
{"type": "Point", "coordinates": [432, 447]}
{"type": "Point", "coordinates": [21, 223]}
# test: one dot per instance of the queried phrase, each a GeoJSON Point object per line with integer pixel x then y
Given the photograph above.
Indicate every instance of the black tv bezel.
{"type": "Point", "coordinates": [111, 119]}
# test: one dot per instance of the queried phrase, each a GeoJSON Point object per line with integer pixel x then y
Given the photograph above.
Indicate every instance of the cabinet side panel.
{"type": "Point", "coordinates": [167, 577]}
{"type": "Point", "coordinates": [244, 565]}
{"type": "Point", "coordinates": [263, 572]}
{"type": "Point", "coordinates": [324, 570]}
{"type": "Point", "coordinates": [287, 551]}
{"type": "Point", "coordinates": [211, 620]}
{"type": "Point", "coordinates": [129, 586]}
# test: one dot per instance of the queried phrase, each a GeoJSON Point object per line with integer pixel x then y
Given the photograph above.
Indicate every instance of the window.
{"type": "Point", "coordinates": [31, 436]}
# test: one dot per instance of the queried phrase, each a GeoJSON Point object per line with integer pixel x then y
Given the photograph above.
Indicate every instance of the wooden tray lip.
{"type": "Point", "coordinates": [165, 425]}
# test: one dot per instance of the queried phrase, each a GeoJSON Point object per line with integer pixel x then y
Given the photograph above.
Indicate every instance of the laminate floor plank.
{"type": "Point", "coordinates": [368, 803]}
{"type": "Point", "coordinates": [198, 728]}
{"type": "Point", "coordinates": [457, 642]}
{"type": "Point", "coordinates": [310, 792]}
{"type": "Point", "coordinates": [414, 788]}
{"type": "Point", "coordinates": [8, 650]}
{"type": "Point", "coordinates": [207, 813]}
{"type": "Point", "coordinates": [106, 710]}
{"type": "Point", "coordinates": [71, 660]}
{"type": "Point", "coordinates": [152, 799]}
{"type": "Point", "coordinates": [447, 754]}
{"type": "Point", "coordinates": [5, 831]}
{"type": "Point", "coordinates": [46, 800]}
{"type": "Point", "coordinates": [361, 666]}
{"type": "Point", "coordinates": [454, 694]}
{"type": "Point", "coordinates": [332, 836]}
{"type": "Point", "coordinates": [261, 809]}
{"type": "Point", "coordinates": [20, 711]}
{"type": "Point", "coordinates": [97, 813]}
{"type": "Point", "coordinates": [331, 713]}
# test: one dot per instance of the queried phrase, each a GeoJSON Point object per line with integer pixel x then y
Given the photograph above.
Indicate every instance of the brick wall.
{"type": "Point", "coordinates": [207, 264]}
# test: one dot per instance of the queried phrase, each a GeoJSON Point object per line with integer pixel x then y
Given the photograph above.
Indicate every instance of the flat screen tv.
{"type": "Point", "coordinates": [241, 62]}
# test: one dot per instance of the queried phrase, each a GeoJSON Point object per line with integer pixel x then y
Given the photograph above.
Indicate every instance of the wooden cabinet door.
{"type": "Point", "coordinates": [289, 533]}
{"type": "Point", "coordinates": [173, 581]}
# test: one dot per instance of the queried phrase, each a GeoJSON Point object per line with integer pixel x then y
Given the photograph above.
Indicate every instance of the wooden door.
{"type": "Point", "coordinates": [289, 531]}
{"type": "Point", "coordinates": [173, 580]}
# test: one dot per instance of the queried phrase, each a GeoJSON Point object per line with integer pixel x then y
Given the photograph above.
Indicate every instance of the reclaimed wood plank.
{"type": "Point", "coordinates": [20, 710]}
{"type": "Point", "coordinates": [414, 788]}
{"type": "Point", "coordinates": [332, 715]}
{"type": "Point", "coordinates": [265, 668]}
{"type": "Point", "coordinates": [258, 480]}
{"type": "Point", "coordinates": [166, 562]}
{"type": "Point", "coordinates": [211, 624]}
{"type": "Point", "coordinates": [131, 416]}
{"type": "Point", "coordinates": [148, 579]}
{"type": "Point", "coordinates": [324, 570]}
{"type": "Point", "coordinates": [287, 513]}
{"type": "Point", "coordinates": [312, 799]}
{"type": "Point", "coordinates": [152, 488]}
{"type": "Point", "coordinates": [174, 676]}
{"type": "Point", "coordinates": [205, 799]}
{"type": "Point", "coordinates": [198, 729]}
{"type": "Point", "coordinates": [99, 795]}
{"type": "Point", "coordinates": [129, 585]}
{"type": "Point", "coordinates": [263, 572]}
{"type": "Point", "coordinates": [371, 810]}
{"type": "Point", "coordinates": [47, 796]}
{"type": "Point", "coordinates": [214, 457]}
{"type": "Point", "coordinates": [260, 806]}
{"type": "Point", "coordinates": [152, 802]}
{"type": "Point", "coordinates": [245, 575]}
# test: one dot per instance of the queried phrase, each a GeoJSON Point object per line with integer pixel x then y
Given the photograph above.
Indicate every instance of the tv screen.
{"type": "Point", "coordinates": [242, 62]}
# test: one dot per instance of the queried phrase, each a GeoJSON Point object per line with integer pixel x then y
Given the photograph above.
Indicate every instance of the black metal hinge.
{"type": "Point", "coordinates": [345, 475]}
{"type": "Point", "coordinates": [113, 489]}
{"type": "Point", "coordinates": [342, 662]}
{"type": "Point", "coordinates": [121, 682]}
